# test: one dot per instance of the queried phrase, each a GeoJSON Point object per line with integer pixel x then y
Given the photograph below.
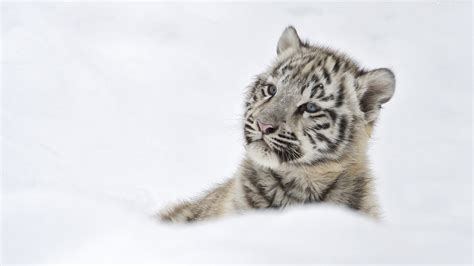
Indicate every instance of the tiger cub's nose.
{"type": "Point", "coordinates": [266, 128]}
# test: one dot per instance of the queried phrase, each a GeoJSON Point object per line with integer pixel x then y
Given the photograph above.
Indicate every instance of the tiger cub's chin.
{"type": "Point", "coordinates": [260, 153]}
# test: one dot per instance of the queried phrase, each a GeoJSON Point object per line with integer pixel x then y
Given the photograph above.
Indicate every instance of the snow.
{"type": "Point", "coordinates": [111, 111]}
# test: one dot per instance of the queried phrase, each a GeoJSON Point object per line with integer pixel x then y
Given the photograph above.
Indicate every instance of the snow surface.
{"type": "Point", "coordinates": [110, 111]}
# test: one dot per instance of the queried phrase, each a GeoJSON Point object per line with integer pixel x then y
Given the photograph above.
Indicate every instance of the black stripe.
{"type": "Point", "coordinates": [315, 78]}
{"type": "Point", "coordinates": [197, 211]}
{"type": "Point", "coordinates": [260, 188]}
{"type": "Point", "coordinates": [303, 88]}
{"type": "Point", "coordinates": [279, 145]}
{"type": "Point", "coordinates": [326, 75]}
{"type": "Point", "coordinates": [248, 197]}
{"type": "Point", "coordinates": [286, 151]}
{"type": "Point", "coordinates": [359, 73]}
{"type": "Point", "coordinates": [342, 132]}
{"type": "Point", "coordinates": [327, 98]}
{"type": "Point", "coordinates": [317, 116]}
{"type": "Point", "coordinates": [321, 137]}
{"type": "Point", "coordinates": [342, 127]}
{"type": "Point", "coordinates": [331, 146]}
{"type": "Point", "coordinates": [291, 137]}
{"type": "Point", "coordinates": [286, 68]}
{"type": "Point", "coordinates": [279, 180]}
{"type": "Point", "coordinates": [322, 93]}
{"type": "Point", "coordinates": [276, 176]}
{"type": "Point", "coordinates": [295, 74]}
{"type": "Point", "coordinates": [358, 193]}
{"type": "Point", "coordinates": [272, 200]}
{"type": "Point", "coordinates": [247, 126]}
{"type": "Point", "coordinates": [322, 62]}
{"type": "Point", "coordinates": [311, 139]}
{"type": "Point", "coordinates": [332, 114]}
{"type": "Point", "coordinates": [247, 131]}
{"type": "Point", "coordinates": [312, 196]}
{"type": "Point", "coordinates": [290, 185]}
{"type": "Point", "coordinates": [335, 69]}
{"type": "Point", "coordinates": [289, 154]}
{"type": "Point", "coordinates": [325, 192]}
{"type": "Point", "coordinates": [278, 68]}
{"type": "Point", "coordinates": [255, 85]}
{"type": "Point", "coordinates": [248, 139]}
{"type": "Point", "coordinates": [316, 88]}
{"type": "Point", "coordinates": [283, 142]}
{"type": "Point", "coordinates": [313, 91]}
{"type": "Point", "coordinates": [340, 96]}
{"type": "Point", "coordinates": [322, 126]}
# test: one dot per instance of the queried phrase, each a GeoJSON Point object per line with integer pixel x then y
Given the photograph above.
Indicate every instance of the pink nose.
{"type": "Point", "coordinates": [266, 128]}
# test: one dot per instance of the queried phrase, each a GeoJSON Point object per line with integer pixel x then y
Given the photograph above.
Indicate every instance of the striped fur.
{"type": "Point", "coordinates": [313, 155]}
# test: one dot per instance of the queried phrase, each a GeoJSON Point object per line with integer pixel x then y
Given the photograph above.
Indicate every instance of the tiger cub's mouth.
{"type": "Point", "coordinates": [263, 142]}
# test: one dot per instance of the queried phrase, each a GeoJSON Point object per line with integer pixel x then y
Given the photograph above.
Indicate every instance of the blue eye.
{"type": "Point", "coordinates": [311, 108]}
{"type": "Point", "coordinates": [272, 90]}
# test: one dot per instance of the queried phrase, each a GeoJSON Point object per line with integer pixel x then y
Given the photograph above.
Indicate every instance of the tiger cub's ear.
{"type": "Point", "coordinates": [375, 88]}
{"type": "Point", "coordinates": [288, 40]}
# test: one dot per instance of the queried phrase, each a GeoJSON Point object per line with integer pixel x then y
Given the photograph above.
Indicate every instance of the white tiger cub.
{"type": "Point", "coordinates": [307, 122]}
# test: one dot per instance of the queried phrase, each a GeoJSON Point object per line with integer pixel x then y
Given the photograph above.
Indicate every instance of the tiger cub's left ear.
{"type": "Point", "coordinates": [289, 40]}
{"type": "Point", "coordinates": [375, 88]}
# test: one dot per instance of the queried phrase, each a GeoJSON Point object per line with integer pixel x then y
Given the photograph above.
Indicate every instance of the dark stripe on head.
{"type": "Point", "coordinates": [322, 62]}
{"type": "Point", "coordinates": [315, 90]}
{"type": "Point", "coordinates": [315, 78]}
{"type": "Point", "coordinates": [332, 114]}
{"type": "Point", "coordinates": [340, 95]}
{"type": "Point", "coordinates": [303, 88]}
{"type": "Point", "coordinates": [327, 98]}
{"type": "Point", "coordinates": [286, 68]}
{"type": "Point", "coordinates": [326, 76]}
{"type": "Point", "coordinates": [335, 69]}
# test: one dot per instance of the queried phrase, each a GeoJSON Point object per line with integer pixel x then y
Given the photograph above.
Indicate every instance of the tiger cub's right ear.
{"type": "Point", "coordinates": [288, 40]}
{"type": "Point", "coordinates": [376, 87]}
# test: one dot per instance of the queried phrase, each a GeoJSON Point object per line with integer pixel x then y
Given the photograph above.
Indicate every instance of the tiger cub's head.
{"type": "Point", "coordinates": [311, 105]}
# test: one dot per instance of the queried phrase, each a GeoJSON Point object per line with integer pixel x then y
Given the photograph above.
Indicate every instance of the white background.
{"type": "Point", "coordinates": [110, 111]}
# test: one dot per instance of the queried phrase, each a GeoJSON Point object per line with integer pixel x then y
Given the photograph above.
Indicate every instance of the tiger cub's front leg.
{"type": "Point", "coordinates": [215, 203]}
